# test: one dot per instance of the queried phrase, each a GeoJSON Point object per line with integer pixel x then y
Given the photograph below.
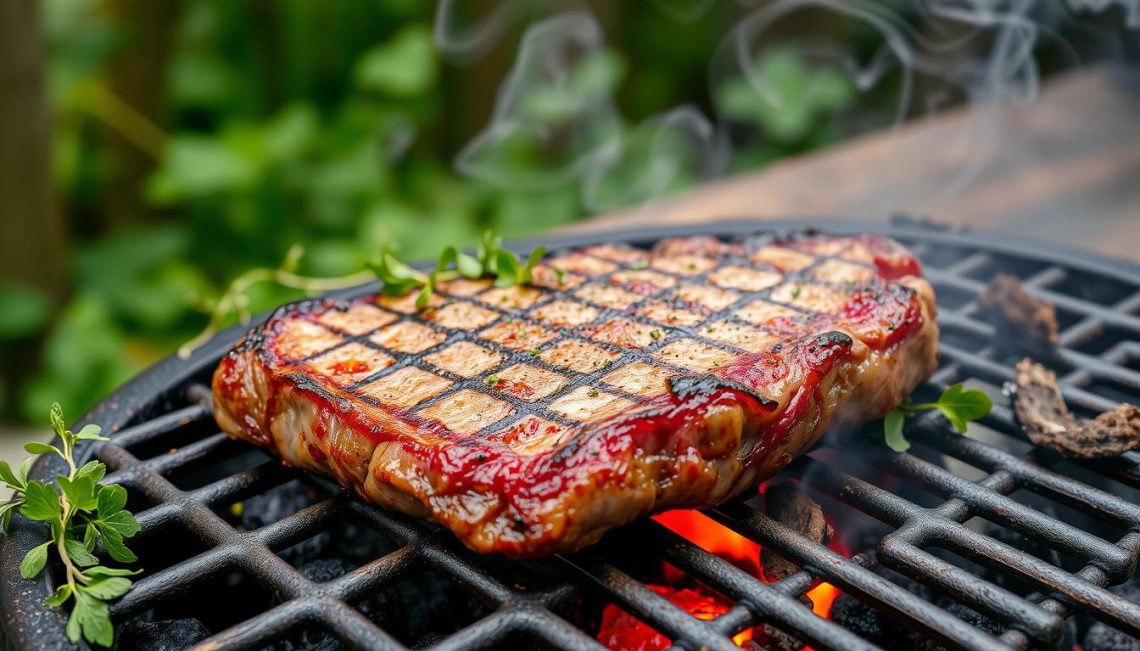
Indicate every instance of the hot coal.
{"type": "Point", "coordinates": [861, 619]}
{"type": "Point", "coordinates": [788, 505]}
{"type": "Point", "coordinates": [1022, 322]}
{"type": "Point", "coordinates": [870, 624]}
{"type": "Point", "coordinates": [968, 615]}
{"type": "Point", "coordinates": [1042, 413]}
{"type": "Point", "coordinates": [167, 635]}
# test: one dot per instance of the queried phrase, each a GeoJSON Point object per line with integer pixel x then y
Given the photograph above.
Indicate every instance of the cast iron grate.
{"type": "Point", "coordinates": [180, 473]}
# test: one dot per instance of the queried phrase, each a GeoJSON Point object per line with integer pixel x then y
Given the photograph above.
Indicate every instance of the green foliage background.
{"type": "Point", "coordinates": [332, 124]}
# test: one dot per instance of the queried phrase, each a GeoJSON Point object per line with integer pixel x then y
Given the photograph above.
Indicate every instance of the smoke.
{"type": "Point", "coordinates": [785, 69]}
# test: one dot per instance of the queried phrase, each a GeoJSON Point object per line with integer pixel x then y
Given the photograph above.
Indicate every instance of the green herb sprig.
{"type": "Point", "coordinates": [80, 512]}
{"type": "Point", "coordinates": [490, 259]}
{"type": "Point", "coordinates": [398, 278]}
{"type": "Point", "coordinates": [957, 404]}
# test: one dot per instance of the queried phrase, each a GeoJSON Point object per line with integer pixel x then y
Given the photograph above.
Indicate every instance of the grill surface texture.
{"type": "Point", "coordinates": [953, 514]}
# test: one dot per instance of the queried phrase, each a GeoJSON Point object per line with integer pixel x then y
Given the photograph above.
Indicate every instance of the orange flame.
{"type": "Point", "coordinates": [622, 631]}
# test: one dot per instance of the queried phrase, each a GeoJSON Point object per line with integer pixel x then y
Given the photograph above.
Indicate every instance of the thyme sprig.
{"type": "Point", "coordinates": [80, 512]}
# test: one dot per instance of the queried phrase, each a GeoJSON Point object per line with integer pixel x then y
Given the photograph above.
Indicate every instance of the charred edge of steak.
{"type": "Point", "coordinates": [685, 387]}
{"type": "Point", "coordinates": [1041, 410]}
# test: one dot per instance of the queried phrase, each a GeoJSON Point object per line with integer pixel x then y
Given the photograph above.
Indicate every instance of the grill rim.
{"type": "Point", "coordinates": [28, 624]}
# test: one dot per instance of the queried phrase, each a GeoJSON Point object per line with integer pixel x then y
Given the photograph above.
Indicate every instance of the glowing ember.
{"type": "Point", "coordinates": [713, 537]}
{"type": "Point", "coordinates": [621, 631]}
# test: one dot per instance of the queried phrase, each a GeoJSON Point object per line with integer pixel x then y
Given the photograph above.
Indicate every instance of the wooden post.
{"type": "Point", "coordinates": [31, 231]}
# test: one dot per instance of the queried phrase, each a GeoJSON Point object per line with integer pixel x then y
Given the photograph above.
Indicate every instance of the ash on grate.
{"type": "Point", "coordinates": [423, 607]}
{"type": "Point", "coordinates": [165, 635]}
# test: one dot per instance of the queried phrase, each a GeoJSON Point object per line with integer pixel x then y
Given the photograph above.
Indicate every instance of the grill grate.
{"type": "Point", "coordinates": [167, 446]}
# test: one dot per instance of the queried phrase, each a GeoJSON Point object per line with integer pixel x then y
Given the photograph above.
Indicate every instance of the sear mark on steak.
{"type": "Point", "coordinates": [529, 420]}
{"type": "Point", "coordinates": [1041, 410]}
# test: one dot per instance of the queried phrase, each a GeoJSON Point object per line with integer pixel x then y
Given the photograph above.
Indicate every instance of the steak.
{"type": "Point", "coordinates": [530, 419]}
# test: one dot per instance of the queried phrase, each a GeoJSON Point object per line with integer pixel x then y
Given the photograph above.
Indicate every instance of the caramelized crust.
{"type": "Point", "coordinates": [530, 420]}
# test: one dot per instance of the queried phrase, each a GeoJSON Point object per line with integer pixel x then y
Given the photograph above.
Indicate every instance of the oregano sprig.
{"type": "Point", "coordinates": [398, 279]}
{"type": "Point", "coordinates": [490, 259]}
{"type": "Point", "coordinates": [80, 512]}
{"type": "Point", "coordinates": [958, 405]}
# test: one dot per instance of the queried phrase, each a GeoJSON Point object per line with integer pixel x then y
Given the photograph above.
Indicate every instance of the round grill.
{"type": "Point", "coordinates": [1009, 531]}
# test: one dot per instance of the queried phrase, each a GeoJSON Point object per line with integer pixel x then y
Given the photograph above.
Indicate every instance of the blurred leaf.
{"type": "Point", "coordinates": [785, 97]}
{"type": "Point", "coordinates": [405, 66]}
{"type": "Point", "coordinates": [24, 310]}
{"type": "Point", "coordinates": [197, 166]}
{"type": "Point", "coordinates": [290, 132]}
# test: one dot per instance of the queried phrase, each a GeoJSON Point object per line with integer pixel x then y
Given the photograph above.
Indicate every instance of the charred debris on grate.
{"type": "Point", "coordinates": [1023, 323]}
{"type": "Point", "coordinates": [1046, 420]}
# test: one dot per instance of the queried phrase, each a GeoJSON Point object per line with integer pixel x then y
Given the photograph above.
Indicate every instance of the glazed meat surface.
{"type": "Point", "coordinates": [529, 420]}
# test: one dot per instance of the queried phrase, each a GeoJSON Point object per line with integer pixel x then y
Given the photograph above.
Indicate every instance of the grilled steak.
{"type": "Point", "coordinates": [529, 420]}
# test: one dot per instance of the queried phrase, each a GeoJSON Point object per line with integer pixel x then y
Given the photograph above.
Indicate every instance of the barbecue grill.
{"type": "Point", "coordinates": [1023, 538]}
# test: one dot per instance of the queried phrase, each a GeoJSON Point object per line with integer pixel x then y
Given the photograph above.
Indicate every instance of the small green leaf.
{"type": "Point", "coordinates": [6, 514]}
{"type": "Point", "coordinates": [73, 630]}
{"type": "Point", "coordinates": [56, 417]}
{"type": "Point", "coordinates": [42, 448]}
{"type": "Point", "coordinates": [94, 619]}
{"type": "Point", "coordinates": [80, 492]}
{"type": "Point", "coordinates": [111, 500]}
{"type": "Point", "coordinates": [424, 298]}
{"type": "Point", "coordinates": [108, 588]}
{"type": "Point", "coordinates": [113, 543]}
{"type": "Point", "coordinates": [102, 570]}
{"type": "Point", "coordinates": [59, 597]}
{"type": "Point", "coordinates": [93, 469]}
{"type": "Point", "coordinates": [893, 431]}
{"type": "Point", "coordinates": [41, 502]}
{"type": "Point", "coordinates": [507, 269]}
{"type": "Point", "coordinates": [559, 275]}
{"type": "Point", "coordinates": [78, 553]}
{"type": "Point", "coordinates": [960, 405]}
{"type": "Point", "coordinates": [122, 523]}
{"type": "Point", "coordinates": [91, 432]}
{"type": "Point", "coordinates": [534, 258]}
{"type": "Point", "coordinates": [34, 561]}
{"type": "Point", "coordinates": [9, 477]}
{"type": "Point", "coordinates": [468, 267]}
{"type": "Point", "coordinates": [25, 468]}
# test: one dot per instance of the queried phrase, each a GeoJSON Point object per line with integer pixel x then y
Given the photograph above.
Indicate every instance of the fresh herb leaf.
{"type": "Point", "coordinates": [957, 404]}
{"type": "Point", "coordinates": [893, 431]}
{"type": "Point", "coordinates": [41, 502]}
{"type": "Point", "coordinates": [527, 273]}
{"type": "Point", "coordinates": [9, 477]}
{"type": "Point", "coordinates": [78, 553]}
{"type": "Point", "coordinates": [41, 448]}
{"type": "Point", "coordinates": [91, 432]}
{"type": "Point", "coordinates": [34, 561]}
{"type": "Point", "coordinates": [961, 406]}
{"type": "Point", "coordinates": [507, 269]}
{"type": "Point", "coordinates": [59, 597]}
{"type": "Point", "coordinates": [77, 503]}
